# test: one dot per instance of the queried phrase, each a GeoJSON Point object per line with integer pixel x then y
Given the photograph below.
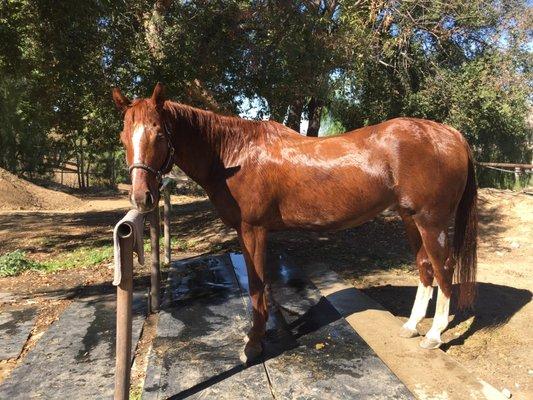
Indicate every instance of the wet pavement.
{"type": "Point", "coordinates": [75, 357]}
{"type": "Point", "coordinates": [199, 335]}
{"type": "Point", "coordinates": [311, 352]}
{"type": "Point", "coordinates": [16, 324]}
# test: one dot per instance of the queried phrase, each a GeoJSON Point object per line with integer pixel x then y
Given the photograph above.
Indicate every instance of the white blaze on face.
{"type": "Point", "coordinates": [136, 139]}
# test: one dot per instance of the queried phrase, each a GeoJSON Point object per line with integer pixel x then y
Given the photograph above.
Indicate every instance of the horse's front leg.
{"type": "Point", "coordinates": [253, 243]}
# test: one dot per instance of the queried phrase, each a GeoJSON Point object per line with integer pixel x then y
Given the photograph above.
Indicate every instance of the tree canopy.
{"type": "Point", "coordinates": [333, 63]}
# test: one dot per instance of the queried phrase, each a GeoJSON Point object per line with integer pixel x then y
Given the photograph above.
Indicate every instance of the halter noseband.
{"type": "Point", "coordinates": [168, 160]}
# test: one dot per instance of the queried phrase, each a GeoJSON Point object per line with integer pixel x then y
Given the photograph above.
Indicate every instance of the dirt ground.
{"type": "Point", "coordinates": [494, 342]}
{"type": "Point", "coordinates": [19, 194]}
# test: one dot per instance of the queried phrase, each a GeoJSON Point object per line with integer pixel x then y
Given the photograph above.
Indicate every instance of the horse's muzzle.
{"type": "Point", "coordinates": [143, 201]}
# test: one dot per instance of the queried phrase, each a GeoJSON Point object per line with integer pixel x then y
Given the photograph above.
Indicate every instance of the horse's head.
{"type": "Point", "coordinates": [149, 149]}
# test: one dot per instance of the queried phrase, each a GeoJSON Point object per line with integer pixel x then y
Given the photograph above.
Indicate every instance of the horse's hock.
{"type": "Point", "coordinates": [326, 340]}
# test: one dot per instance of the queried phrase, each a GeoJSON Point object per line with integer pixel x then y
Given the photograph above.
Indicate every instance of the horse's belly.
{"type": "Point", "coordinates": [332, 207]}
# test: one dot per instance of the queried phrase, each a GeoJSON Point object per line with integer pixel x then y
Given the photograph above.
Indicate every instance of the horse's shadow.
{"type": "Point", "coordinates": [494, 306]}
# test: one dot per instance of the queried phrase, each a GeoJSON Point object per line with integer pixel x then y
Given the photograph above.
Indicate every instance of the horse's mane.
{"type": "Point", "coordinates": [227, 134]}
{"type": "Point", "coordinates": [205, 116]}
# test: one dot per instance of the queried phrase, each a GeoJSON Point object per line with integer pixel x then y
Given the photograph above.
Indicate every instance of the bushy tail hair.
{"type": "Point", "coordinates": [465, 240]}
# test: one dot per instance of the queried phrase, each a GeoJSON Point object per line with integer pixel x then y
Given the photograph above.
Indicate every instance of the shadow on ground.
{"type": "Point", "coordinates": [495, 305]}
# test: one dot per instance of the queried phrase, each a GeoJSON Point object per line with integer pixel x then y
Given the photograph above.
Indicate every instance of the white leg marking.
{"type": "Point", "coordinates": [440, 321]}
{"type": "Point", "coordinates": [420, 306]}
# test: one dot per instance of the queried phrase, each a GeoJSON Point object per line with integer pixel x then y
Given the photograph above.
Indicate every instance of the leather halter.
{"type": "Point", "coordinates": [168, 159]}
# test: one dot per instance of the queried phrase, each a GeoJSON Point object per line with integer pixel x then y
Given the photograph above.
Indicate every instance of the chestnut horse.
{"type": "Point", "coordinates": [262, 176]}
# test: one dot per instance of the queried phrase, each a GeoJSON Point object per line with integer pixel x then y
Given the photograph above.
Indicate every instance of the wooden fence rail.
{"type": "Point", "coordinates": [510, 168]}
{"type": "Point", "coordinates": [505, 165]}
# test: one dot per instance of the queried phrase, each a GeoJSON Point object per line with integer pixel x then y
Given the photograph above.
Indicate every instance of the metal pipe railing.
{"type": "Point", "coordinates": [124, 313]}
{"type": "Point", "coordinates": [155, 273]}
{"type": "Point", "coordinates": [125, 234]}
{"type": "Point", "coordinates": [166, 224]}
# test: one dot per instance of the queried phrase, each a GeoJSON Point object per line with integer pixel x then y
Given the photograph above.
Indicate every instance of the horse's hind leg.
{"type": "Point", "coordinates": [435, 240]}
{"type": "Point", "coordinates": [425, 288]}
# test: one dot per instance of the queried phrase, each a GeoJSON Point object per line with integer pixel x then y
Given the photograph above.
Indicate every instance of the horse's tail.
{"type": "Point", "coordinates": [465, 240]}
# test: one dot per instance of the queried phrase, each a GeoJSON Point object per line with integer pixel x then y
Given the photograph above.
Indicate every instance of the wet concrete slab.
{"type": "Point", "coordinates": [199, 336]}
{"type": "Point", "coordinates": [75, 357]}
{"type": "Point", "coordinates": [311, 352]}
{"type": "Point", "coordinates": [16, 324]}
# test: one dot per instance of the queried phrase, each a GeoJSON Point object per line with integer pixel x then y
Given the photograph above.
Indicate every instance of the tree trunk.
{"type": "Point", "coordinates": [295, 115]}
{"type": "Point", "coordinates": [78, 170]}
{"type": "Point", "coordinates": [314, 113]}
{"type": "Point", "coordinates": [113, 172]}
{"type": "Point", "coordinates": [87, 172]}
{"type": "Point", "coordinates": [81, 165]}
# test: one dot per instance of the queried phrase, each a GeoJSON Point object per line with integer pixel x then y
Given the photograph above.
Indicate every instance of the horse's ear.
{"type": "Point", "coordinates": [158, 96]}
{"type": "Point", "coordinates": [121, 101]}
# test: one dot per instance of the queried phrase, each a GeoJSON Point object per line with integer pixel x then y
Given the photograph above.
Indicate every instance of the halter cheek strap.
{"type": "Point", "coordinates": [166, 165]}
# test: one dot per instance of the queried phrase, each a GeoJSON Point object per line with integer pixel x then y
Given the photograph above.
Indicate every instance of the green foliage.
{"type": "Point", "coordinates": [80, 257]}
{"type": "Point", "coordinates": [175, 243]}
{"type": "Point", "coordinates": [331, 126]}
{"type": "Point", "coordinates": [14, 263]}
{"type": "Point", "coordinates": [467, 64]}
{"type": "Point", "coordinates": [488, 103]}
{"type": "Point", "coordinates": [458, 63]}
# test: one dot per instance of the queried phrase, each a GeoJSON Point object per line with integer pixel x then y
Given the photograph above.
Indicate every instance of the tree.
{"type": "Point", "coordinates": [464, 64]}
{"type": "Point", "coordinates": [331, 62]}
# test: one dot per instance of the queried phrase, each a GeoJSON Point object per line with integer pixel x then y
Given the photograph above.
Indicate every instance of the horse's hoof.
{"type": "Point", "coordinates": [407, 333]}
{"type": "Point", "coordinates": [430, 344]}
{"type": "Point", "coordinates": [251, 352]}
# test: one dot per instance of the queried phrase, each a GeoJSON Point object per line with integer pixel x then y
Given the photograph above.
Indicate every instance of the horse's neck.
{"type": "Point", "coordinates": [205, 146]}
